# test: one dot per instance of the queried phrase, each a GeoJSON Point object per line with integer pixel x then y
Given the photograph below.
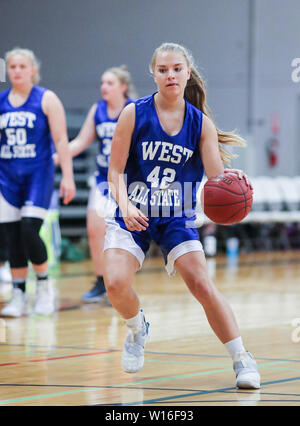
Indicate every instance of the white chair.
{"type": "Point", "coordinates": [271, 193]}
{"type": "Point", "coordinates": [289, 191]}
{"type": "Point", "coordinates": [259, 201]}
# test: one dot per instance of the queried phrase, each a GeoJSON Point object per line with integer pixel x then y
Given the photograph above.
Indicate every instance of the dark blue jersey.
{"type": "Point", "coordinates": [26, 147]}
{"type": "Point", "coordinates": [105, 128]}
{"type": "Point", "coordinates": [163, 172]}
{"type": "Point", "coordinates": [25, 139]}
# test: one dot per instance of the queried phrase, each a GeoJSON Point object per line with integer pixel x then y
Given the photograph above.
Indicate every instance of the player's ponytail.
{"type": "Point", "coordinates": [30, 55]}
{"type": "Point", "coordinates": [195, 93]}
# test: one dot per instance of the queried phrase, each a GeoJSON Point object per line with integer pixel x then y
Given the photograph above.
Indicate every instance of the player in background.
{"type": "Point", "coordinates": [162, 145]}
{"type": "Point", "coordinates": [5, 275]}
{"type": "Point", "coordinates": [116, 90]}
{"type": "Point", "coordinates": [28, 114]}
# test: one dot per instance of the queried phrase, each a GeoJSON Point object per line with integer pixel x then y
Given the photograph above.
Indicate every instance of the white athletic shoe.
{"type": "Point", "coordinates": [245, 367]}
{"type": "Point", "coordinates": [17, 306]}
{"type": "Point", "coordinates": [5, 275]}
{"type": "Point", "coordinates": [44, 299]}
{"type": "Point", "coordinates": [133, 351]}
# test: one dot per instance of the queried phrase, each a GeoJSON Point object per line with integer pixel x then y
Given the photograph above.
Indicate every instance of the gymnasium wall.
{"type": "Point", "coordinates": [276, 42]}
{"type": "Point", "coordinates": [243, 48]}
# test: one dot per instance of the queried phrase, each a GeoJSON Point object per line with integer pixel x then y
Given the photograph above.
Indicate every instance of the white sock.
{"type": "Point", "coordinates": [234, 346]}
{"type": "Point", "coordinates": [136, 322]}
{"type": "Point", "coordinates": [42, 276]}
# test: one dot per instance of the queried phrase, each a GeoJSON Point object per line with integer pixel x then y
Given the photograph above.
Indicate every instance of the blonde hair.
{"type": "Point", "coordinates": [31, 56]}
{"type": "Point", "coordinates": [196, 95]}
{"type": "Point", "coordinates": [124, 77]}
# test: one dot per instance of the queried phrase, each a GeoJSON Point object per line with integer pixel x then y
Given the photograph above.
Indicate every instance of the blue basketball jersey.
{"type": "Point", "coordinates": [105, 128]}
{"type": "Point", "coordinates": [24, 131]}
{"type": "Point", "coordinates": [26, 147]}
{"type": "Point", "coordinates": [163, 172]}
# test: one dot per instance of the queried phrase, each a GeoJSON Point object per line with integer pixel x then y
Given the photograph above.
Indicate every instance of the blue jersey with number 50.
{"type": "Point", "coordinates": [25, 139]}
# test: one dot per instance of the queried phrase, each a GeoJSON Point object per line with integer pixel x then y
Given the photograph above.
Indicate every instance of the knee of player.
{"type": "Point", "coordinates": [96, 229]}
{"type": "Point", "coordinates": [202, 287]}
{"type": "Point", "coordinates": [31, 227]}
{"type": "Point", "coordinates": [115, 285]}
{"type": "Point", "coordinates": [17, 257]}
{"type": "Point", "coordinates": [95, 232]}
{"type": "Point", "coordinates": [91, 231]}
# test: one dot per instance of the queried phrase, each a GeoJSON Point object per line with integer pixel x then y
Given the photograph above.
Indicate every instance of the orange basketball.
{"type": "Point", "coordinates": [226, 199]}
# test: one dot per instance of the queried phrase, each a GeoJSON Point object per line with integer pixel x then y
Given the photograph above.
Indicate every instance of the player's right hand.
{"type": "Point", "coordinates": [67, 189]}
{"type": "Point", "coordinates": [240, 174]}
{"type": "Point", "coordinates": [134, 219]}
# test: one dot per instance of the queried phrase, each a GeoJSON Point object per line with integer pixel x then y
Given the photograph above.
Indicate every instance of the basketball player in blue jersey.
{"type": "Point", "coordinates": [5, 275]}
{"type": "Point", "coordinates": [28, 113]}
{"type": "Point", "coordinates": [161, 147]}
{"type": "Point", "coordinates": [116, 90]}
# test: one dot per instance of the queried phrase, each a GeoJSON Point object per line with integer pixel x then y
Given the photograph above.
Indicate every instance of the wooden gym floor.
{"type": "Point", "coordinates": [74, 357]}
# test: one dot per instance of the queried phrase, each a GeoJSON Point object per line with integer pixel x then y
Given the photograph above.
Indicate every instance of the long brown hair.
{"type": "Point", "coordinates": [195, 93]}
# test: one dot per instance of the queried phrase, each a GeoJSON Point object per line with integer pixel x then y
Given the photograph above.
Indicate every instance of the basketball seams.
{"type": "Point", "coordinates": [225, 205]}
{"type": "Point", "coordinates": [245, 212]}
{"type": "Point", "coordinates": [209, 185]}
{"type": "Point", "coordinates": [242, 202]}
{"type": "Point", "coordinates": [232, 216]}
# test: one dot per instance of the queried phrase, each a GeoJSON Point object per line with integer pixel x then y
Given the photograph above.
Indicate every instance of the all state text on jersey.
{"type": "Point", "coordinates": [163, 197]}
{"type": "Point", "coordinates": [11, 152]}
{"type": "Point", "coordinates": [17, 119]}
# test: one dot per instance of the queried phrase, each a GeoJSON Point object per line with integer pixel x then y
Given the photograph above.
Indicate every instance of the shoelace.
{"type": "Point", "coordinates": [134, 345]}
{"type": "Point", "coordinates": [134, 349]}
{"type": "Point", "coordinates": [243, 359]}
{"type": "Point", "coordinates": [245, 364]}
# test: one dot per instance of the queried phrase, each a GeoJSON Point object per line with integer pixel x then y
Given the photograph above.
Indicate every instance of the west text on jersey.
{"type": "Point", "coordinates": [165, 151]}
{"type": "Point", "coordinates": [106, 129]}
{"type": "Point", "coordinates": [17, 119]}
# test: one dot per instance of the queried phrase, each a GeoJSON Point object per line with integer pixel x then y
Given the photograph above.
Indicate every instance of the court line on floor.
{"type": "Point", "coordinates": [56, 358]}
{"type": "Point", "coordinates": [146, 270]}
{"type": "Point", "coordinates": [175, 397]}
{"type": "Point", "coordinates": [69, 356]}
{"type": "Point", "coordinates": [265, 393]}
{"type": "Point", "coordinates": [35, 397]}
{"type": "Point", "coordinates": [98, 387]}
{"type": "Point", "coordinates": [217, 356]}
{"type": "Point", "coordinates": [47, 357]}
{"type": "Point", "coordinates": [241, 392]}
{"type": "Point", "coordinates": [146, 352]}
{"type": "Point", "coordinates": [202, 373]}
{"type": "Point", "coordinates": [188, 375]}
{"type": "Point", "coordinates": [238, 401]}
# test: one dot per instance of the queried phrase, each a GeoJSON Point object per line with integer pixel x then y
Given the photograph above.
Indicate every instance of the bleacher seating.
{"type": "Point", "coordinates": [73, 216]}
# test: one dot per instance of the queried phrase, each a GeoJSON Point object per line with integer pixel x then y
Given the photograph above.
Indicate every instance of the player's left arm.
{"type": "Point", "coordinates": [210, 153]}
{"type": "Point", "coordinates": [54, 110]}
{"type": "Point", "coordinates": [209, 149]}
